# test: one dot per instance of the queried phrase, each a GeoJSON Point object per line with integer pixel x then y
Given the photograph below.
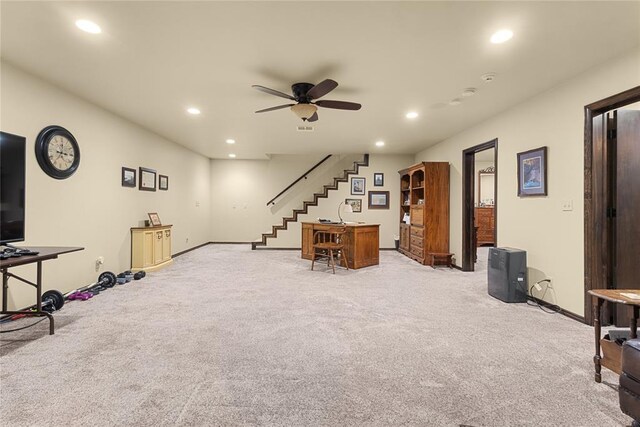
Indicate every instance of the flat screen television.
{"type": "Point", "coordinates": [12, 187]}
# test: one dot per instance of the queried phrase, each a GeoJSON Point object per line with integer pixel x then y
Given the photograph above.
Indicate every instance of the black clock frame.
{"type": "Point", "coordinates": [42, 151]}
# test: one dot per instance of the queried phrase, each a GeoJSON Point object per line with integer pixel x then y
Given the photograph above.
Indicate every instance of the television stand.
{"type": "Point", "coordinates": [44, 253]}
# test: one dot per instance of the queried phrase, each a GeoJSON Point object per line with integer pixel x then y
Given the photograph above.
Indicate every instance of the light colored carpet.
{"type": "Point", "coordinates": [230, 336]}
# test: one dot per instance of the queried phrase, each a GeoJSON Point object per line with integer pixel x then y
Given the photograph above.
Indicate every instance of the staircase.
{"type": "Point", "coordinates": [314, 202]}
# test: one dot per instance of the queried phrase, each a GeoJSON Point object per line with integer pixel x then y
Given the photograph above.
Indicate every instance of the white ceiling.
{"type": "Point", "coordinates": [154, 59]}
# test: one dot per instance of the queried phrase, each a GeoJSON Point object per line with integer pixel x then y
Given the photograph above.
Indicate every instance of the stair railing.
{"type": "Point", "coordinates": [303, 176]}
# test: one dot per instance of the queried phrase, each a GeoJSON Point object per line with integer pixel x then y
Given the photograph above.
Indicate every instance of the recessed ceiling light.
{"type": "Point", "coordinates": [379, 143]}
{"type": "Point", "coordinates": [501, 36]}
{"type": "Point", "coordinates": [456, 101]}
{"type": "Point", "coordinates": [411, 115]}
{"type": "Point", "coordinates": [233, 156]}
{"type": "Point", "coordinates": [230, 141]}
{"type": "Point", "coordinates": [488, 77]}
{"type": "Point", "coordinates": [470, 91]}
{"type": "Point", "coordinates": [88, 26]}
{"type": "Point", "coordinates": [193, 110]}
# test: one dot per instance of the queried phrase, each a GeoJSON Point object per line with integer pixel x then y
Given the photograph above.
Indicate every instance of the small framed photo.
{"type": "Point", "coordinates": [356, 204]}
{"type": "Point", "coordinates": [532, 172]}
{"type": "Point", "coordinates": [147, 179]}
{"type": "Point", "coordinates": [163, 182]}
{"type": "Point", "coordinates": [378, 179]}
{"type": "Point", "coordinates": [357, 186]}
{"type": "Point", "coordinates": [378, 200]}
{"type": "Point", "coordinates": [128, 177]}
{"type": "Point", "coordinates": [154, 219]}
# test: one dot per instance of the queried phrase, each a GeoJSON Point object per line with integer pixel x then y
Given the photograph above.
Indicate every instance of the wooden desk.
{"type": "Point", "coordinates": [613, 354]}
{"type": "Point", "coordinates": [45, 253]}
{"type": "Point", "coordinates": [361, 242]}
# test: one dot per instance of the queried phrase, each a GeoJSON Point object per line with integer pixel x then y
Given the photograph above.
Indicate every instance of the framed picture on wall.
{"type": "Point", "coordinates": [532, 172]}
{"type": "Point", "coordinates": [378, 179]}
{"type": "Point", "coordinates": [356, 204]}
{"type": "Point", "coordinates": [128, 177]}
{"type": "Point", "coordinates": [147, 179]}
{"type": "Point", "coordinates": [357, 186]}
{"type": "Point", "coordinates": [378, 200]}
{"type": "Point", "coordinates": [163, 182]}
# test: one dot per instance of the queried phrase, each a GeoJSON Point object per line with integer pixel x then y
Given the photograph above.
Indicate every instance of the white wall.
{"type": "Point", "coordinates": [553, 238]}
{"type": "Point", "coordinates": [244, 187]}
{"type": "Point", "coordinates": [91, 209]}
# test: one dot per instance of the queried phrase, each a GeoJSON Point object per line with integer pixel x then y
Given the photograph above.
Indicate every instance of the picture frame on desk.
{"type": "Point", "coordinates": [128, 177]}
{"type": "Point", "coordinates": [154, 219]}
{"type": "Point", "coordinates": [147, 179]}
{"type": "Point", "coordinates": [358, 185]}
{"type": "Point", "coordinates": [378, 200]}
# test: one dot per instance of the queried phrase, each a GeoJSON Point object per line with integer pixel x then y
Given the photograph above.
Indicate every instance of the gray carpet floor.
{"type": "Point", "coordinates": [228, 336]}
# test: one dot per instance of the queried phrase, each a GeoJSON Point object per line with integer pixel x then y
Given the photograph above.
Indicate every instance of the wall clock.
{"type": "Point", "coordinates": [57, 152]}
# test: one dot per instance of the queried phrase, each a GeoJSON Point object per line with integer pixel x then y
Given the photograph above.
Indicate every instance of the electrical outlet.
{"type": "Point", "coordinates": [567, 205]}
{"type": "Point", "coordinates": [197, 203]}
{"type": "Point", "coordinates": [99, 262]}
{"type": "Point", "coordinates": [538, 287]}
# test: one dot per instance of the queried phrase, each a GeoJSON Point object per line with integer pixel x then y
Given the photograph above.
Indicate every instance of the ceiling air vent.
{"type": "Point", "coordinates": [305, 128]}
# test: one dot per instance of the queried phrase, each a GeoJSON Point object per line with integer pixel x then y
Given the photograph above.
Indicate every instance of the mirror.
{"type": "Point", "coordinates": [486, 188]}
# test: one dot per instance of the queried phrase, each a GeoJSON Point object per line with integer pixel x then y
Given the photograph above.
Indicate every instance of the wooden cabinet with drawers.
{"type": "Point", "coordinates": [485, 221]}
{"type": "Point", "coordinates": [150, 247]}
{"type": "Point", "coordinates": [424, 200]}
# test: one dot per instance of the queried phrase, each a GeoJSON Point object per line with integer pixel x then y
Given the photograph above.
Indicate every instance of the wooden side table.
{"type": "Point", "coordinates": [615, 296]}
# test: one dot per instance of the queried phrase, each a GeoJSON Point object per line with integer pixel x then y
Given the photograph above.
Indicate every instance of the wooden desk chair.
{"type": "Point", "coordinates": [327, 244]}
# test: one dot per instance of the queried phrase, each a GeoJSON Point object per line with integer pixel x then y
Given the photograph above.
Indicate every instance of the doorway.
{"type": "Point", "coordinates": [479, 200]}
{"type": "Point", "coordinates": [612, 198]}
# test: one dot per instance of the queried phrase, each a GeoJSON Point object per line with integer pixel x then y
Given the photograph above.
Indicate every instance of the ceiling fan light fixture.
{"type": "Point", "coordinates": [304, 111]}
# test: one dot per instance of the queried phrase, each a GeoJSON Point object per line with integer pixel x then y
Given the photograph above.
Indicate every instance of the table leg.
{"type": "Point", "coordinates": [39, 297]}
{"type": "Point", "coordinates": [597, 310]}
{"type": "Point", "coordinates": [633, 323]}
{"type": "Point", "coordinates": [5, 286]}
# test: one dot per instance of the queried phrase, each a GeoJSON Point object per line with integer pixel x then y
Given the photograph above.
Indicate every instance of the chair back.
{"type": "Point", "coordinates": [330, 235]}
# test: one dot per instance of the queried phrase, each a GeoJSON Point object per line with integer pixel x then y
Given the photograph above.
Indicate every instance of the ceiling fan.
{"type": "Point", "coordinates": [306, 94]}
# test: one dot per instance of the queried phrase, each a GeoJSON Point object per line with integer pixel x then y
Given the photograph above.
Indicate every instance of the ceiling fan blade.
{"type": "Point", "coordinates": [339, 105]}
{"type": "Point", "coordinates": [313, 118]}
{"type": "Point", "coordinates": [273, 92]}
{"type": "Point", "coordinates": [275, 108]}
{"type": "Point", "coordinates": [321, 89]}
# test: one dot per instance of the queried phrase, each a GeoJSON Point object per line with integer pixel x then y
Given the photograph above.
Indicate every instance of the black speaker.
{"type": "Point", "coordinates": [507, 274]}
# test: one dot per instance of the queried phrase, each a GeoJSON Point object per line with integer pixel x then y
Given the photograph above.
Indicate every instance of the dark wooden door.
{"type": "Point", "coordinates": [625, 136]}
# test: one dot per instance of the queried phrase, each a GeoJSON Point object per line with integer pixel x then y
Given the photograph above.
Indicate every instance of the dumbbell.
{"type": "Point", "coordinates": [52, 300]}
{"type": "Point", "coordinates": [106, 280]}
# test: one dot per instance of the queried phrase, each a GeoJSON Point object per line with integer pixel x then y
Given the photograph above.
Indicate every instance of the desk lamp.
{"type": "Point", "coordinates": [347, 208]}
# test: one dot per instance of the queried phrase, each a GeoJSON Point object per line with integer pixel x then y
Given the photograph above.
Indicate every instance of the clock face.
{"type": "Point", "coordinates": [61, 152]}
{"type": "Point", "coordinates": [57, 152]}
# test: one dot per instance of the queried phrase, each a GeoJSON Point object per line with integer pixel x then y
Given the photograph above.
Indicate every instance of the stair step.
{"type": "Point", "coordinates": [309, 203]}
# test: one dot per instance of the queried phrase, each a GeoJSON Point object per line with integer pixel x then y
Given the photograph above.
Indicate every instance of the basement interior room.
{"type": "Point", "coordinates": [380, 213]}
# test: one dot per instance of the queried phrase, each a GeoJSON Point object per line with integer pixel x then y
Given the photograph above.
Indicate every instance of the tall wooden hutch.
{"type": "Point", "coordinates": [424, 210]}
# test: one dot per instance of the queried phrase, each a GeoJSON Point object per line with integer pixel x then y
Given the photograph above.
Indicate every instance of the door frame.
{"type": "Point", "coordinates": [596, 192]}
{"type": "Point", "coordinates": [468, 200]}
